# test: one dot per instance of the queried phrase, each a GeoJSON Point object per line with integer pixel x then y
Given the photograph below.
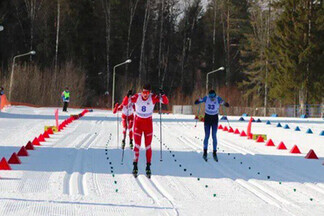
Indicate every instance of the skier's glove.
{"type": "Point", "coordinates": [161, 92]}
{"type": "Point", "coordinates": [129, 93]}
{"type": "Point", "coordinates": [197, 101]}
{"type": "Point", "coordinates": [226, 104]}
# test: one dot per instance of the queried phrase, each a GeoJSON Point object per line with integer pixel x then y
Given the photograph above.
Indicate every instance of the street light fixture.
{"type": "Point", "coordinates": [221, 68]}
{"type": "Point", "coordinates": [114, 74]}
{"type": "Point", "coordinates": [13, 69]}
{"type": "Point", "coordinates": [1, 28]}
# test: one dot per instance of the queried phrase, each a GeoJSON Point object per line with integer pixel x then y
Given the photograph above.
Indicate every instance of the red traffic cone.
{"type": "Point", "coordinates": [295, 150]}
{"type": "Point", "coordinates": [41, 138]}
{"type": "Point", "coordinates": [311, 155]}
{"type": "Point", "coordinates": [29, 146]}
{"type": "Point", "coordinates": [4, 164]}
{"type": "Point", "coordinates": [22, 152]}
{"type": "Point", "coordinates": [236, 131]}
{"type": "Point", "coordinates": [231, 130]}
{"type": "Point", "coordinates": [220, 127]}
{"type": "Point", "coordinates": [45, 134]}
{"type": "Point", "coordinates": [270, 143]}
{"type": "Point", "coordinates": [243, 134]}
{"type": "Point", "coordinates": [282, 146]}
{"type": "Point", "coordinates": [50, 131]}
{"type": "Point", "coordinates": [14, 159]}
{"type": "Point", "coordinates": [36, 142]}
{"type": "Point", "coordinates": [225, 129]}
{"type": "Point", "coordinates": [260, 139]}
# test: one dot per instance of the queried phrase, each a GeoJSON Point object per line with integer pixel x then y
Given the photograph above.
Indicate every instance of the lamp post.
{"type": "Point", "coordinates": [13, 69]}
{"type": "Point", "coordinates": [221, 68]}
{"type": "Point", "coordinates": [114, 74]}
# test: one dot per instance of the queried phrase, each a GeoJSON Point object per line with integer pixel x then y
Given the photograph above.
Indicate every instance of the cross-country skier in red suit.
{"type": "Point", "coordinates": [144, 106]}
{"type": "Point", "coordinates": [127, 121]}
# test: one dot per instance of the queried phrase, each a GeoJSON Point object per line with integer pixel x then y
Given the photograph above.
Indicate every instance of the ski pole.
{"type": "Point", "coordinates": [160, 128]}
{"type": "Point", "coordinates": [198, 111]}
{"type": "Point", "coordinates": [117, 130]}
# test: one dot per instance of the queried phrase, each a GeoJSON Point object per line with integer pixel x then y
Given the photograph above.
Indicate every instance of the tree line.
{"type": "Point", "coordinates": [272, 50]}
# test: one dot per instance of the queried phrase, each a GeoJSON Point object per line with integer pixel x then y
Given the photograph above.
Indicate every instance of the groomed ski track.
{"type": "Point", "coordinates": [79, 171]}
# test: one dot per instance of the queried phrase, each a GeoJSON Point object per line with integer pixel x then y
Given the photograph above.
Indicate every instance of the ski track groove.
{"type": "Point", "coordinates": [259, 192]}
{"type": "Point", "coordinates": [75, 183]}
{"type": "Point", "coordinates": [282, 169]}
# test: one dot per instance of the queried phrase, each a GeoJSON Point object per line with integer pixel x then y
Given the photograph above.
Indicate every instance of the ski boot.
{"type": "Point", "coordinates": [131, 144]}
{"type": "Point", "coordinates": [148, 170]}
{"type": "Point", "coordinates": [135, 169]}
{"type": "Point", "coordinates": [205, 155]}
{"type": "Point", "coordinates": [215, 156]}
{"type": "Point", "coordinates": [123, 144]}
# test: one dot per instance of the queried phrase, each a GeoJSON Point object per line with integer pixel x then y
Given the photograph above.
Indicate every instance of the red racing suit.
{"type": "Point", "coordinates": [127, 117]}
{"type": "Point", "coordinates": [143, 121]}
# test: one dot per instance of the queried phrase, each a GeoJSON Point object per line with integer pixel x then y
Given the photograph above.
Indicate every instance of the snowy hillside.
{"type": "Point", "coordinates": [78, 171]}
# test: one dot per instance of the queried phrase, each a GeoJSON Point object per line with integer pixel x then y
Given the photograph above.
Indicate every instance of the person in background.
{"type": "Point", "coordinates": [66, 99]}
{"type": "Point", "coordinates": [1, 91]}
{"type": "Point", "coordinates": [212, 104]}
{"type": "Point", "coordinates": [127, 121]}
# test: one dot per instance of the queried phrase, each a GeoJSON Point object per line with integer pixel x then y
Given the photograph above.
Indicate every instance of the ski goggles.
{"type": "Point", "coordinates": [212, 95]}
{"type": "Point", "coordinates": [145, 92]}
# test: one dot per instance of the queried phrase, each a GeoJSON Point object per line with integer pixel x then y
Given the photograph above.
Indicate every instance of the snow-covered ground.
{"type": "Point", "coordinates": [79, 171]}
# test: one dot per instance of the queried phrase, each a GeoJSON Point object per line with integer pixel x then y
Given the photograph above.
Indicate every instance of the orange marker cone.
{"type": "Point", "coordinates": [14, 159]}
{"type": "Point", "coordinates": [243, 134]}
{"type": "Point", "coordinates": [4, 164]}
{"type": "Point", "coordinates": [30, 146]}
{"type": "Point", "coordinates": [231, 130]}
{"type": "Point", "coordinates": [270, 143]}
{"type": "Point", "coordinates": [50, 131]}
{"type": "Point", "coordinates": [22, 152]}
{"type": "Point", "coordinates": [225, 129]}
{"type": "Point", "coordinates": [260, 139]}
{"type": "Point", "coordinates": [41, 138]}
{"type": "Point", "coordinates": [36, 142]}
{"type": "Point", "coordinates": [220, 127]}
{"type": "Point", "coordinates": [45, 134]}
{"type": "Point", "coordinates": [282, 146]}
{"type": "Point", "coordinates": [236, 131]}
{"type": "Point", "coordinates": [295, 150]}
{"type": "Point", "coordinates": [311, 155]}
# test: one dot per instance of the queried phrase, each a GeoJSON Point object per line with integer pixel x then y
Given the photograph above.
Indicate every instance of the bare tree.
{"type": "Point", "coordinates": [142, 73]}
{"type": "Point", "coordinates": [106, 8]}
{"type": "Point", "coordinates": [132, 7]}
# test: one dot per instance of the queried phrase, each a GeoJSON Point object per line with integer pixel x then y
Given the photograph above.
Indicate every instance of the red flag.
{"type": "Point", "coordinates": [56, 118]}
{"type": "Point", "coordinates": [249, 127]}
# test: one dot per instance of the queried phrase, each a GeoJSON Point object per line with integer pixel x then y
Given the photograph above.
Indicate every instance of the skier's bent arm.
{"type": "Point", "coordinates": [156, 99]}
{"type": "Point", "coordinates": [201, 100]}
{"type": "Point", "coordinates": [133, 99]}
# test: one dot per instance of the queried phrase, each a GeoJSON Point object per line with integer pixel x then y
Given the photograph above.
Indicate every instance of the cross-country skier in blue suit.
{"type": "Point", "coordinates": [212, 104]}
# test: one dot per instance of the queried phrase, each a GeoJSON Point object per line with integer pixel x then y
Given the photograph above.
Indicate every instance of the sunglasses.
{"type": "Point", "coordinates": [212, 95]}
{"type": "Point", "coordinates": [145, 92]}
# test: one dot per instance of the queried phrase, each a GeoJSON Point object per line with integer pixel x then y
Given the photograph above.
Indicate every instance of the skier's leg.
{"type": "Point", "coordinates": [207, 134]}
{"type": "Point", "coordinates": [130, 126]}
{"type": "Point", "coordinates": [214, 135]}
{"type": "Point", "coordinates": [137, 137]}
{"type": "Point", "coordinates": [148, 139]}
{"type": "Point", "coordinates": [124, 130]}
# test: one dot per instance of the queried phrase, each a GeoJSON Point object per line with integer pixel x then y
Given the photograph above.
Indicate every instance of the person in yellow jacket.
{"type": "Point", "coordinates": [66, 99]}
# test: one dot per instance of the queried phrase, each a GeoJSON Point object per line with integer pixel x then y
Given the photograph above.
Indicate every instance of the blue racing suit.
{"type": "Point", "coordinates": [212, 105]}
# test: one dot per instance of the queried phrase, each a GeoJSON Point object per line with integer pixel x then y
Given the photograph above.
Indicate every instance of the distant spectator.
{"type": "Point", "coordinates": [66, 99]}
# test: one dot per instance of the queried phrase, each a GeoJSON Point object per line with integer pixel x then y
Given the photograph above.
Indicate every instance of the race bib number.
{"type": "Point", "coordinates": [143, 108]}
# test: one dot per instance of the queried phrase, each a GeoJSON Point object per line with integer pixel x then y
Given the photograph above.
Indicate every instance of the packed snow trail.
{"type": "Point", "coordinates": [79, 171]}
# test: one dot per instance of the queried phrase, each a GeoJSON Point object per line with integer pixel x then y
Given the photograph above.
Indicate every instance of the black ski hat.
{"type": "Point", "coordinates": [147, 86]}
{"type": "Point", "coordinates": [212, 92]}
